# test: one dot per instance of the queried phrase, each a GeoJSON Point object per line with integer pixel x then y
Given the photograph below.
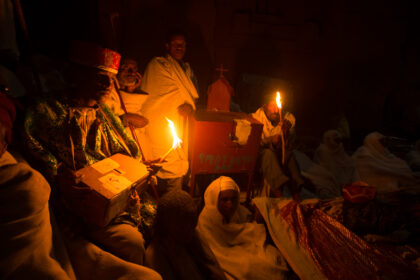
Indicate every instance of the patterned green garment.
{"type": "Point", "coordinates": [96, 133]}
{"type": "Point", "coordinates": [50, 125]}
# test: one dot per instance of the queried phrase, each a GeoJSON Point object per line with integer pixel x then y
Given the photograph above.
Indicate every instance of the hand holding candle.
{"type": "Point", "coordinates": [283, 148]}
{"type": "Point", "coordinates": [175, 143]}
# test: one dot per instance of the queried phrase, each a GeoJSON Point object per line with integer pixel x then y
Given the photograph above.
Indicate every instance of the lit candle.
{"type": "Point", "coordinates": [283, 148]}
{"type": "Point", "coordinates": [278, 101]}
{"type": "Point", "coordinates": [175, 143]}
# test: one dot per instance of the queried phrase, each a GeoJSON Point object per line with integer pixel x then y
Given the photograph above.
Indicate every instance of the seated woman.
{"type": "Point", "coordinates": [331, 155]}
{"type": "Point", "coordinates": [176, 252]}
{"type": "Point", "coordinates": [239, 246]}
{"type": "Point", "coordinates": [380, 168]}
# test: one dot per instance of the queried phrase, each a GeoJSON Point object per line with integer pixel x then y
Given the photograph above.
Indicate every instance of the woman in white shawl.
{"type": "Point", "coordinates": [239, 246]}
{"type": "Point", "coordinates": [380, 168]}
{"type": "Point", "coordinates": [331, 155]}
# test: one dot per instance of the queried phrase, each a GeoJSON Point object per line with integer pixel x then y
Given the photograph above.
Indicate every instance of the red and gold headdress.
{"type": "Point", "coordinates": [90, 54]}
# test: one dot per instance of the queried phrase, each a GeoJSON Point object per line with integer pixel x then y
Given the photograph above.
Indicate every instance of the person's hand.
{"type": "Point", "coordinates": [275, 139]}
{"type": "Point", "coordinates": [134, 203]}
{"type": "Point", "coordinates": [138, 80]}
{"type": "Point", "coordinates": [185, 110]}
{"type": "Point", "coordinates": [132, 88]}
{"type": "Point", "coordinates": [135, 120]}
{"type": "Point", "coordinates": [154, 165]}
{"type": "Point", "coordinates": [67, 177]}
{"type": "Point", "coordinates": [285, 126]}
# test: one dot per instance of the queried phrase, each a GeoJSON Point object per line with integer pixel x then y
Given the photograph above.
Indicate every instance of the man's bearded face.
{"type": "Point", "coordinates": [95, 84]}
{"type": "Point", "coordinates": [128, 73]}
{"type": "Point", "coordinates": [272, 112]}
{"type": "Point", "coordinates": [177, 47]}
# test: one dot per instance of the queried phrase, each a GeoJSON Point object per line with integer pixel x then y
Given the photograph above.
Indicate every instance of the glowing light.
{"type": "Point", "coordinates": [278, 100]}
{"type": "Point", "coordinates": [176, 141]}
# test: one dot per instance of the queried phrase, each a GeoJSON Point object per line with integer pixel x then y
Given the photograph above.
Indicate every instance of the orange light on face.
{"type": "Point", "coordinates": [278, 100]}
{"type": "Point", "coordinates": [176, 141]}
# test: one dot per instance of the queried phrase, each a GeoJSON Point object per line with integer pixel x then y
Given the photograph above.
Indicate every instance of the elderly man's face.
{"type": "Point", "coordinates": [94, 84]}
{"type": "Point", "coordinates": [272, 111]}
{"type": "Point", "coordinates": [177, 47]}
{"type": "Point", "coordinates": [128, 73]}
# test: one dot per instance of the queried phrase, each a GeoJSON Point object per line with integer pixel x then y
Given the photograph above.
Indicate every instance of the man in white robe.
{"type": "Point", "coordinates": [169, 81]}
{"type": "Point", "coordinates": [274, 132]}
{"type": "Point", "coordinates": [129, 94]}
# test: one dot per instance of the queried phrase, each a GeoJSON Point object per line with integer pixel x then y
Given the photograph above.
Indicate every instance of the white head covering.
{"type": "Point", "coordinates": [331, 155]}
{"type": "Point", "coordinates": [211, 195]}
{"type": "Point", "coordinates": [373, 143]}
{"type": "Point", "coordinates": [226, 183]}
{"type": "Point", "coordinates": [329, 137]}
{"type": "Point", "coordinates": [380, 168]}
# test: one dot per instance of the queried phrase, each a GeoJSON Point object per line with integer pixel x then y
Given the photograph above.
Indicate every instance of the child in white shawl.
{"type": "Point", "coordinates": [239, 246]}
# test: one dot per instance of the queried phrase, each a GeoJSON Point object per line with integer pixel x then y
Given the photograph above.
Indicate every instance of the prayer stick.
{"type": "Point", "coordinates": [283, 149]}
{"type": "Point", "coordinates": [133, 132]}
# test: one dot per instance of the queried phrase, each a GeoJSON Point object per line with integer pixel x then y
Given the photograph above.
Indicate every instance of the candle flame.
{"type": "Point", "coordinates": [278, 100]}
{"type": "Point", "coordinates": [176, 141]}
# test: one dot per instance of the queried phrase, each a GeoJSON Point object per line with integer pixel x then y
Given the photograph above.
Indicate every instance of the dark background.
{"type": "Point", "coordinates": [357, 57]}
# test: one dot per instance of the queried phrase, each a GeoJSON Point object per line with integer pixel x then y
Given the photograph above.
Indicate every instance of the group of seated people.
{"type": "Point", "coordinates": [287, 171]}
{"type": "Point", "coordinates": [74, 128]}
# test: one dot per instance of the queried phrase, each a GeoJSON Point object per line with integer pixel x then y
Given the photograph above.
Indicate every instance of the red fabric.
{"type": "Point", "coordinates": [338, 252]}
{"type": "Point", "coordinates": [359, 192]}
{"type": "Point", "coordinates": [90, 54]}
{"type": "Point", "coordinates": [7, 114]}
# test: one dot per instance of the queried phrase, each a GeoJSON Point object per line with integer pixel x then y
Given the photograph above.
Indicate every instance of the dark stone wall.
{"type": "Point", "coordinates": [356, 57]}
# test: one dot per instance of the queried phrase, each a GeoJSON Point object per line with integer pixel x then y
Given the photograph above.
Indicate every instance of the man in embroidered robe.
{"type": "Point", "coordinates": [74, 130]}
{"type": "Point", "coordinates": [32, 246]}
{"type": "Point", "coordinates": [169, 81]}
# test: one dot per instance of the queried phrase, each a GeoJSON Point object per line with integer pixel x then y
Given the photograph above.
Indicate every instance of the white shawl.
{"type": "Point", "coordinates": [379, 168]}
{"type": "Point", "coordinates": [239, 246]}
{"type": "Point", "coordinates": [333, 157]}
